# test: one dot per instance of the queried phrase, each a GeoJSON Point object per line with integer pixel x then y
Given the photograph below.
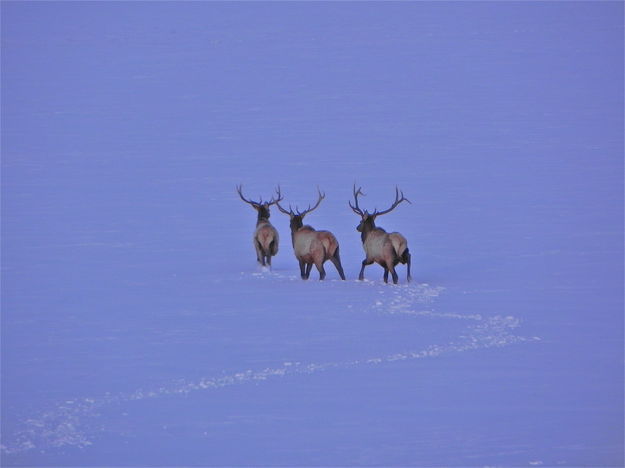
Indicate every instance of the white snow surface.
{"type": "Point", "coordinates": [137, 327]}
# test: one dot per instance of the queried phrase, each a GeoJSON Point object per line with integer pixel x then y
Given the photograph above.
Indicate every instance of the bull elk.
{"type": "Point", "coordinates": [311, 246]}
{"type": "Point", "coordinates": [385, 249]}
{"type": "Point", "coordinates": [266, 238]}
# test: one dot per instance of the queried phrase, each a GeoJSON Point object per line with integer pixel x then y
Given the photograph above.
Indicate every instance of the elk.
{"type": "Point", "coordinates": [266, 238]}
{"type": "Point", "coordinates": [311, 246]}
{"type": "Point", "coordinates": [385, 249]}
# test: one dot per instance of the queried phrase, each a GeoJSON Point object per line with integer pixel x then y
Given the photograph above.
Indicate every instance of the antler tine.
{"type": "Point", "coordinates": [282, 209]}
{"type": "Point", "coordinates": [279, 199]}
{"type": "Point", "coordinates": [356, 209]}
{"type": "Point", "coordinates": [239, 191]}
{"type": "Point", "coordinates": [273, 200]}
{"type": "Point", "coordinates": [309, 209]}
{"type": "Point", "coordinates": [402, 195]}
{"type": "Point", "coordinates": [290, 210]}
{"type": "Point", "coordinates": [399, 197]}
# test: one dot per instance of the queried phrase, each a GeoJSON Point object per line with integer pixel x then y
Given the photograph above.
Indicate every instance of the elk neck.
{"type": "Point", "coordinates": [368, 225]}
{"type": "Point", "coordinates": [263, 215]}
{"type": "Point", "coordinates": [297, 224]}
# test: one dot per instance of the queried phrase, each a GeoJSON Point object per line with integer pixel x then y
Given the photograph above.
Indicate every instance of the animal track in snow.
{"type": "Point", "coordinates": [73, 423]}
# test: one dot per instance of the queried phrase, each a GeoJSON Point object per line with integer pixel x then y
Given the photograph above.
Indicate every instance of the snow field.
{"type": "Point", "coordinates": [136, 327]}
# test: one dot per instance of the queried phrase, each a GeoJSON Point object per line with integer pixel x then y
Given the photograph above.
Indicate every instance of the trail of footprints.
{"type": "Point", "coordinates": [71, 423]}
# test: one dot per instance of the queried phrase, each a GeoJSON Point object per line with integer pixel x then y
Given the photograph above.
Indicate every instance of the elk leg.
{"type": "Point", "coordinates": [260, 256]}
{"type": "Point", "coordinates": [365, 262]}
{"type": "Point", "coordinates": [394, 274]}
{"type": "Point", "coordinates": [385, 275]}
{"type": "Point", "coordinates": [269, 261]}
{"type": "Point", "coordinates": [302, 269]}
{"type": "Point", "coordinates": [308, 268]}
{"type": "Point", "coordinates": [322, 271]}
{"type": "Point", "coordinates": [408, 277]}
{"type": "Point", "coordinates": [336, 260]}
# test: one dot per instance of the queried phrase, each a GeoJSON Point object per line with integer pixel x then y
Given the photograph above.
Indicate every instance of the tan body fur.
{"type": "Point", "coordinates": [266, 240]}
{"type": "Point", "coordinates": [315, 247]}
{"type": "Point", "coordinates": [400, 244]}
{"type": "Point", "coordinates": [379, 247]}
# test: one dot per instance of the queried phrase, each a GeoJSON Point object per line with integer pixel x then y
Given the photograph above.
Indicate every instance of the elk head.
{"type": "Point", "coordinates": [260, 206]}
{"type": "Point", "coordinates": [296, 216]}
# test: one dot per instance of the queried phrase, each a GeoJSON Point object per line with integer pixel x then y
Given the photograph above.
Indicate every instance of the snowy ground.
{"type": "Point", "coordinates": [137, 328]}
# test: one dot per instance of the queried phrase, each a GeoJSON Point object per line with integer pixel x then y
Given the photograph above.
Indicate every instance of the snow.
{"type": "Point", "coordinates": [137, 328]}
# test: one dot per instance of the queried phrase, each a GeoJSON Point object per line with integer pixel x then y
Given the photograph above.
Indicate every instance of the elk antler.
{"type": "Point", "coordinates": [296, 212]}
{"type": "Point", "coordinates": [277, 202]}
{"type": "Point", "coordinates": [309, 209]}
{"type": "Point", "coordinates": [356, 209]}
{"type": "Point", "coordinates": [251, 202]}
{"type": "Point", "coordinates": [273, 200]}
{"type": "Point", "coordinates": [397, 201]}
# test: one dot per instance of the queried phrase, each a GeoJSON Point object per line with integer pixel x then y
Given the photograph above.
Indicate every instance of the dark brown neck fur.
{"type": "Point", "coordinates": [368, 225]}
{"type": "Point", "coordinates": [297, 223]}
{"type": "Point", "coordinates": [263, 214]}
